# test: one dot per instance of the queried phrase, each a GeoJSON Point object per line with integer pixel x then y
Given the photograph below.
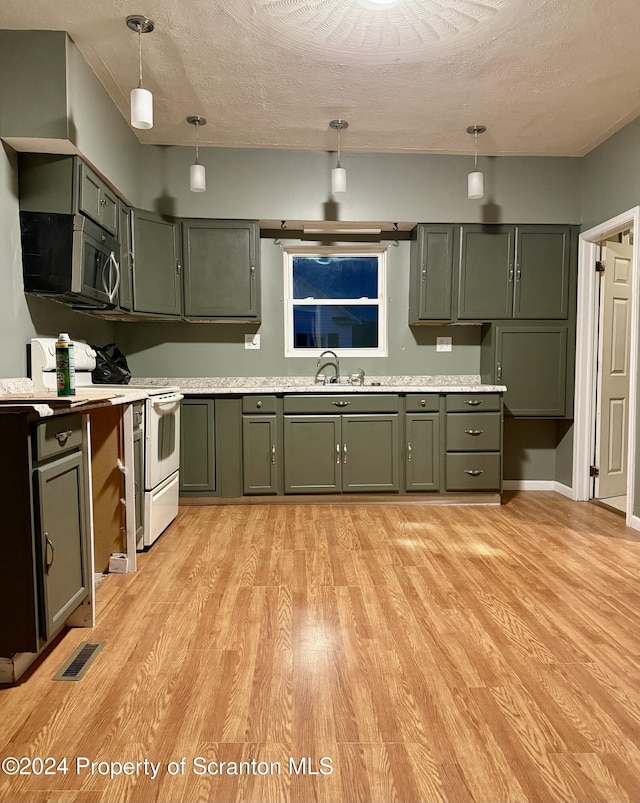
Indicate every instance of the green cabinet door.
{"type": "Point", "coordinates": [422, 455]}
{"type": "Point", "coordinates": [312, 454]}
{"type": "Point", "coordinates": [259, 454]}
{"type": "Point", "coordinates": [157, 268]}
{"type": "Point", "coordinates": [125, 238]}
{"type": "Point", "coordinates": [542, 272]}
{"type": "Point", "coordinates": [370, 453]}
{"type": "Point", "coordinates": [485, 281]}
{"type": "Point", "coordinates": [431, 273]}
{"type": "Point", "coordinates": [61, 518]}
{"type": "Point", "coordinates": [222, 272]}
{"type": "Point", "coordinates": [197, 447]}
{"type": "Point", "coordinates": [96, 200]}
{"type": "Point", "coordinates": [531, 360]}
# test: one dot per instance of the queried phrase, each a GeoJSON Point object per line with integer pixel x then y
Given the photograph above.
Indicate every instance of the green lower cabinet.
{"type": "Point", "coordinates": [422, 455]}
{"type": "Point", "coordinates": [334, 454]}
{"type": "Point", "coordinates": [370, 453]}
{"type": "Point", "coordinates": [312, 454]}
{"type": "Point", "coordinates": [260, 454]}
{"type": "Point", "coordinates": [197, 447]}
{"type": "Point", "coordinates": [60, 490]}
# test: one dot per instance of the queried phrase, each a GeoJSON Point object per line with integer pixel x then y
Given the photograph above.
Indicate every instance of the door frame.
{"type": "Point", "coordinates": [586, 356]}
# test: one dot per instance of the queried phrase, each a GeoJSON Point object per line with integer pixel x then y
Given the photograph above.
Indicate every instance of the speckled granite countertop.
{"type": "Point", "coordinates": [468, 383]}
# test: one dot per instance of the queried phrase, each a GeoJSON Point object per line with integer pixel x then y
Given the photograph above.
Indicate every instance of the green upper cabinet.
{"type": "Point", "coordinates": [222, 269]}
{"type": "Point", "coordinates": [157, 274]}
{"type": "Point", "coordinates": [532, 360]}
{"type": "Point", "coordinates": [542, 265]}
{"type": "Point", "coordinates": [96, 200]}
{"type": "Point", "coordinates": [485, 281]}
{"type": "Point", "coordinates": [431, 273]}
{"type": "Point", "coordinates": [519, 272]}
{"type": "Point", "coordinates": [65, 185]}
{"type": "Point", "coordinates": [125, 238]}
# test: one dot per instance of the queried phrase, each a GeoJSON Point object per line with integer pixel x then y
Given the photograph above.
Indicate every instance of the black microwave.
{"type": "Point", "coordinates": [69, 258]}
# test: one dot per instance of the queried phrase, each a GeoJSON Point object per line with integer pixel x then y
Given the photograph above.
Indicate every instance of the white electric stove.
{"type": "Point", "coordinates": [161, 429]}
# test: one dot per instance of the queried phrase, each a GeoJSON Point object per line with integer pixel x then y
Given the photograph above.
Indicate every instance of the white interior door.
{"type": "Point", "coordinates": [612, 417]}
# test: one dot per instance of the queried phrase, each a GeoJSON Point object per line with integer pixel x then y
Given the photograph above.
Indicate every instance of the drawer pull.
{"type": "Point", "coordinates": [474, 431]}
{"type": "Point", "coordinates": [341, 403]}
{"type": "Point", "coordinates": [473, 472]}
{"type": "Point", "coordinates": [473, 402]}
{"type": "Point", "coordinates": [423, 402]}
{"type": "Point", "coordinates": [273, 455]}
{"type": "Point", "coordinates": [259, 405]}
{"type": "Point", "coordinates": [49, 563]}
{"type": "Point", "coordinates": [62, 437]}
{"type": "Point", "coordinates": [409, 452]}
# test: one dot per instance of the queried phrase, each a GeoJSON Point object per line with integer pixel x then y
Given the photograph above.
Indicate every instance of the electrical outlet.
{"type": "Point", "coordinates": [444, 344]}
{"type": "Point", "coordinates": [252, 341]}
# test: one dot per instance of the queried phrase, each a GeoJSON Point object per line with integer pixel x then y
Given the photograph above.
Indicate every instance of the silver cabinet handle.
{"type": "Point", "coordinates": [473, 472]}
{"type": "Point", "coordinates": [474, 431]}
{"type": "Point", "coordinates": [62, 437]}
{"type": "Point", "coordinates": [424, 273]}
{"type": "Point", "coordinates": [341, 403]}
{"type": "Point", "coordinates": [273, 455]}
{"type": "Point", "coordinates": [499, 370]}
{"type": "Point", "coordinates": [473, 402]}
{"type": "Point", "coordinates": [49, 563]}
{"type": "Point", "coordinates": [423, 402]}
{"type": "Point", "coordinates": [510, 273]}
{"type": "Point", "coordinates": [252, 269]}
{"type": "Point", "coordinates": [409, 453]}
{"type": "Point", "coordinates": [259, 405]}
{"type": "Point", "coordinates": [178, 268]}
{"type": "Point", "coordinates": [518, 273]}
{"type": "Point", "coordinates": [337, 454]}
{"type": "Point", "coordinates": [344, 452]}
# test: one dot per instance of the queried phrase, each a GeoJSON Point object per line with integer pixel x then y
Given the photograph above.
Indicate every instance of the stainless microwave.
{"type": "Point", "coordinates": [69, 258]}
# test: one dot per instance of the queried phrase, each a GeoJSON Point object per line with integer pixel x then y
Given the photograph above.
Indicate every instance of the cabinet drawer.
{"type": "Point", "coordinates": [58, 435]}
{"type": "Point", "coordinates": [473, 432]}
{"type": "Point", "coordinates": [473, 471]}
{"type": "Point", "coordinates": [464, 402]}
{"type": "Point", "coordinates": [422, 402]}
{"type": "Point", "coordinates": [258, 404]}
{"type": "Point", "coordinates": [343, 403]}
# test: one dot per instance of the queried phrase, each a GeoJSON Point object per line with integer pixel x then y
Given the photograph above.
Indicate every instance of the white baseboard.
{"type": "Point", "coordinates": [538, 485]}
{"type": "Point", "coordinates": [634, 522]}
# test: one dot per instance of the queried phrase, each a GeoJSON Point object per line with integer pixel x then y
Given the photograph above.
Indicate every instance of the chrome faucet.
{"type": "Point", "coordinates": [337, 366]}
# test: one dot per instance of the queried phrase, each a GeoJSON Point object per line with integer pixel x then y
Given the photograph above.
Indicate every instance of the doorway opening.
{"type": "Point", "coordinates": [604, 448]}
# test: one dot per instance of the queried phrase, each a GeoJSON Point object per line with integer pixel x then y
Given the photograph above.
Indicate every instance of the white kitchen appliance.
{"type": "Point", "coordinates": [161, 429]}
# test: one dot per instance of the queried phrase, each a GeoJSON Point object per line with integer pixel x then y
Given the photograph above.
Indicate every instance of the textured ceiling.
{"type": "Point", "coordinates": [547, 77]}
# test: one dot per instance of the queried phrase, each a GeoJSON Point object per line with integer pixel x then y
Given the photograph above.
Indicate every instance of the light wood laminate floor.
{"type": "Point", "coordinates": [483, 654]}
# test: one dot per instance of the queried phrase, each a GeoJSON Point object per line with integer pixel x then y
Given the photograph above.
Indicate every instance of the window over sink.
{"type": "Point", "coordinates": [335, 299]}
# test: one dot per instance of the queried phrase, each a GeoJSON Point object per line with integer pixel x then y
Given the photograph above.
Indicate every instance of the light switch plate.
{"type": "Point", "coordinates": [444, 344]}
{"type": "Point", "coordinates": [252, 341]}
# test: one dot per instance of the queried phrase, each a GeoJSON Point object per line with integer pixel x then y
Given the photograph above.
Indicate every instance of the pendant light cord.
{"type": "Point", "coordinates": [338, 164]}
{"type": "Point", "coordinates": [197, 125]}
{"type": "Point", "coordinates": [140, 53]}
{"type": "Point", "coordinates": [475, 139]}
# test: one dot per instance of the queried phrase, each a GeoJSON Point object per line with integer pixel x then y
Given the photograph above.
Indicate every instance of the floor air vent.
{"type": "Point", "coordinates": [75, 666]}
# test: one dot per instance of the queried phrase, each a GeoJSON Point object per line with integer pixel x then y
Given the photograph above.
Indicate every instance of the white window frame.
{"type": "Point", "coordinates": [289, 302]}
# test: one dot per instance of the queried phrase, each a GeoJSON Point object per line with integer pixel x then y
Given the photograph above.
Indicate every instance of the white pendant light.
{"type": "Point", "coordinates": [141, 99]}
{"type": "Point", "coordinates": [475, 179]}
{"type": "Point", "coordinates": [197, 172]}
{"type": "Point", "coordinates": [338, 174]}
